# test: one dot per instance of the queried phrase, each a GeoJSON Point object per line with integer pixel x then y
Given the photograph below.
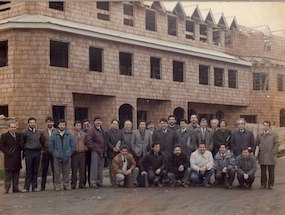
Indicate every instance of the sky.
{"type": "Point", "coordinates": [249, 14]}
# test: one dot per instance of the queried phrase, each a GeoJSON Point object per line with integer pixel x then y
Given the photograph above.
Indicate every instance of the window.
{"type": "Point", "coordinates": [4, 5]}
{"type": "Point", "coordinates": [95, 59]}
{"type": "Point", "coordinates": [3, 53]}
{"type": "Point", "coordinates": [59, 54]}
{"type": "Point", "coordinates": [249, 118]}
{"type": "Point", "coordinates": [150, 20]}
{"type": "Point", "coordinates": [190, 29]}
{"type": "Point", "coordinates": [172, 25]}
{"type": "Point", "coordinates": [4, 110]}
{"type": "Point", "coordinates": [232, 78]}
{"type": "Point", "coordinates": [178, 71]}
{"type": "Point", "coordinates": [203, 32]}
{"type": "Point", "coordinates": [57, 5]}
{"type": "Point", "coordinates": [129, 14]}
{"type": "Point", "coordinates": [81, 113]}
{"type": "Point", "coordinates": [280, 80]}
{"type": "Point", "coordinates": [216, 36]}
{"type": "Point", "coordinates": [155, 68]}
{"type": "Point", "coordinates": [126, 64]}
{"type": "Point", "coordinates": [203, 75]}
{"type": "Point", "coordinates": [103, 8]}
{"type": "Point", "coordinates": [260, 81]}
{"type": "Point", "coordinates": [58, 112]}
{"type": "Point", "coordinates": [218, 77]}
{"type": "Point", "coordinates": [228, 38]}
{"type": "Point", "coordinates": [267, 43]}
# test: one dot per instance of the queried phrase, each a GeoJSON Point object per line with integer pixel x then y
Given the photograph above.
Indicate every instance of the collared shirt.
{"type": "Point", "coordinates": [49, 132]}
{"type": "Point", "coordinates": [61, 132]}
{"type": "Point", "coordinates": [32, 129]}
{"type": "Point", "coordinates": [164, 131]}
{"type": "Point", "coordinates": [13, 135]}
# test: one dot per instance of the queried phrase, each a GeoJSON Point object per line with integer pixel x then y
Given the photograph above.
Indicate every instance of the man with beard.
{"type": "Point", "coordinates": [62, 146]}
{"type": "Point", "coordinates": [193, 122]}
{"type": "Point", "coordinates": [178, 167]}
{"type": "Point", "coordinates": [172, 123]}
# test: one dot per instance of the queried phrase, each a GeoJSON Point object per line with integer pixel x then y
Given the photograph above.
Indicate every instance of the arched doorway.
{"type": "Point", "coordinates": [125, 113]}
{"type": "Point", "coordinates": [179, 114]}
{"type": "Point", "coordinates": [282, 118]}
{"type": "Point", "coordinates": [220, 115]}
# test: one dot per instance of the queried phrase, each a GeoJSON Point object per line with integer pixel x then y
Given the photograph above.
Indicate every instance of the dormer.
{"type": "Point", "coordinates": [179, 11]}
{"type": "Point", "coordinates": [157, 5]}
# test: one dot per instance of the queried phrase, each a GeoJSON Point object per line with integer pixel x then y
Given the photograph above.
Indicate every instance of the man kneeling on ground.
{"type": "Point", "coordinates": [224, 165]}
{"type": "Point", "coordinates": [246, 167]}
{"type": "Point", "coordinates": [123, 166]}
{"type": "Point", "coordinates": [178, 167]}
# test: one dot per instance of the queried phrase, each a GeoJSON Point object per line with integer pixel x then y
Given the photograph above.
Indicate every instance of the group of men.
{"type": "Point", "coordinates": [176, 155]}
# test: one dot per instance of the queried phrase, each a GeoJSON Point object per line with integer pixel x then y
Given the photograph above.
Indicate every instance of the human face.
{"type": "Point", "coordinates": [203, 123]}
{"type": "Point", "coordinates": [49, 124]}
{"type": "Point", "coordinates": [61, 126]}
{"type": "Point", "coordinates": [223, 124]}
{"type": "Point", "coordinates": [194, 119]}
{"type": "Point", "coordinates": [266, 126]}
{"type": "Point", "coordinates": [142, 126]}
{"type": "Point", "coordinates": [98, 122]}
{"type": "Point", "coordinates": [150, 126]}
{"type": "Point", "coordinates": [115, 125]}
{"type": "Point", "coordinates": [214, 123]}
{"type": "Point", "coordinates": [183, 125]}
{"type": "Point", "coordinates": [77, 127]}
{"type": "Point", "coordinates": [223, 149]}
{"type": "Point", "coordinates": [245, 153]}
{"type": "Point", "coordinates": [202, 148]}
{"type": "Point", "coordinates": [128, 125]}
{"type": "Point", "coordinates": [172, 121]}
{"type": "Point", "coordinates": [32, 124]}
{"type": "Point", "coordinates": [241, 124]}
{"type": "Point", "coordinates": [86, 125]}
{"type": "Point", "coordinates": [13, 128]}
{"type": "Point", "coordinates": [156, 148]}
{"type": "Point", "coordinates": [124, 152]}
{"type": "Point", "coordinates": [163, 125]}
{"type": "Point", "coordinates": [177, 151]}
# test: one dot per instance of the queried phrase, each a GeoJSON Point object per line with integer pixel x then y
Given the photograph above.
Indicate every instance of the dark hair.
{"type": "Point", "coordinates": [61, 121]}
{"type": "Point", "coordinates": [183, 120]}
{"type": "Point", "coordinates": [97, 117]}
{"type": "Point", "coordinates": [85, 120]}
{"type": "Point", "coordinates": [268, 122]}
{"type": "Point", "coordinates": [223, 144]}
{"type": "Point", "coordinates": [154, 144]}
{"type": "Point", "coordinates": [76, 122]}
{"type": "Point", "coordinates": [31, 118]}
{"type": "Point", "coordinates": [49, 118]}
{"type": "Point", "coordinates": [128, 121]}
{"type": "Point", "coordinates": [175, 146]}
{"type": "Point", "coordinates": [163, 120]}
{"type": "Point", "coordinates": [141, 122]}
{"type": "Point", "coordinates": [149, 122]}
{"type": "Point", "coordinates": [114, 120]}
{"type": "Point", "coordinates": [223, 120]}
{"type": "Point", "coordinates": [245, 149]}
{"type": "Point", "coordinates": [171, 116]}
{"type": "Point", "coordinates": [203, 119]}
{"type": "Point", "coordinates": [202, 143]}
{"type": "Point", "coordinates": [124, 146]}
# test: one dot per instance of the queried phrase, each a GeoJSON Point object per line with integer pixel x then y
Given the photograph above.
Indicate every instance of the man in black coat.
{"type": "Point", "coordinates": [165, 137]}
{"type": "Point", "coordinates": [178, 167]}
{"type": "Point", "coordinates": [11, 145]}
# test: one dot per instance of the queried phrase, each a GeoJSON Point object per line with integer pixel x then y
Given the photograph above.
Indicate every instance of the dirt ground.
{"type": "Point", "coordinates": [153, 201]}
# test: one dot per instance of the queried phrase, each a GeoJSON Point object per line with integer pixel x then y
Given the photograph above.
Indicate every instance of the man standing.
{"type": "Point", "coordinates": [221, 136]}
{"type": "Point", "coordinates": [246, 167]}
{"type": "Point", "coordinates": [47, 157]}
{"type": "Point", "coordinates": [193, 122]}
{"type": "Point", "coordinates": [79, 156]}
{"type": "Point", "coordinates": [33, 143]}
{"type": "Point", "coordinates": [242, 138]}
{"type": "Point", "coordinates": [150, 126]}
{"type": "Point", "coordinates": [186, 138]}
{"type": "Point", "coordinates": [128, 133]}
{"type": "Point", "coordinates": [123, 166]}
{"type": "Point", "coordinates": [85, 127]}
{"type": "Point", "coordinates": [202, 163]}
{"type": "Point", "coordinates": [11, 145]}
{"type": "Point", "coordinates": [166, 137]}
{"type": "Point", "coordinates": [141, 141]}
{"type": "Point", "coordinates": [205, 135]}
{"type": "Point", "coordinates": [172, 123]}
{"type": "Point", "coordinates": [224, 165]}
{"type": "Point", "coordinates": [115, 139]}
{"type": "Point", "coordinates": [97, 143]}
{"type": "Point", "coordinates": [267, 143]}
{"type": "Point", "coordinates": [61, 146]}
{"type": "Point", "coordinates": [178, 167]}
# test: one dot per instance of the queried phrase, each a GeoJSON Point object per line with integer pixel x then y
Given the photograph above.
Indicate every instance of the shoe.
{"type": "Point", "coordinates": [262, 187]}
{"type": "Point", "coordinates": [172, 184]}
{"type": "Point", "coordinates": [25, 191]}
{"type": "Point", "coordinates": [43, 188]}
{"type": "Point", "coordinates": [16, 191]}
{"type": "Point", "coordinates": [73, 187]}
{"type": "Point", "coordinates": [57, 189]}
{"type": "Point", "coordinates": [207, 185]}
{"type": "Point", "coordinates": [6, 191]}
{"type": "Point", "coordinates": [67, 188]}
{"type": "Point", "coordinates": [160, 184]}
{"type": "Point", "coordinates": [185, 184]}
{"type": "Point", "coordinates": [94, 186]}
{"type": "Point", "coordinates": [81, 187]}
{"type": "Point", "coordinates": [229, 187]}
{"type": "Point", "coordinates": [36, 190]}
{"type": "Point", "coordinates": [249, 187]}
{"type": "Point", "coordinates": [270, 187]}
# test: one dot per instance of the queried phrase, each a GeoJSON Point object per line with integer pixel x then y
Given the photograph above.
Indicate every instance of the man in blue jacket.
{"type": "Point", "coordinates": [61, 146]}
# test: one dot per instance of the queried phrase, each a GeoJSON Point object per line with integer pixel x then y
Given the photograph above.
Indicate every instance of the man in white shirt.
{"type": "Point", "coordinates": [202, 163]}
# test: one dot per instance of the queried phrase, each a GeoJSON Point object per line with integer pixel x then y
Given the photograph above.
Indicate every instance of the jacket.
{"type": "Point", "coordinates": [187, 141]}
{"type": "Point", "coordinates": [12, 150]}
{"type": "Point", "coordinates": [167, 140]}
{"type": "Point", "coordinates": [150, 161]}
{"type": "Point", "coordinates": [268, 147]}
{"type": "Point", "coordinates": [198, 160]}
{"type": "Point", "coordinates": [220, 162]}
{"type": "Point", "coordinates": [139, 145]}
{"type": "Point", "coordinates": [117, 164]}
{"type": "Point", "coordinates": [127, 137]}
{"type": "Point", "coordinates": [62, 147]}
{"type": "Point", "coordinates": [173, 162]}
{"type": "Point", "coordinates": [246, 165]}
{"type": "Point", "coordinates": [219, 138]}
{"type": "Point", "coordinates": [208, 138]}
{"type": "Point", "coordinates": [33, 141]}
{"type": "Point", "coordinates": [46, 139]}
{"type": "Point", "coordinates": [112, 139]}
{"type": "Point", "coordinates": [97, 141]}
{"type": "Point", "coordinates": [240, 140]}
{"type": "Point", "coordinates": [80, 140]}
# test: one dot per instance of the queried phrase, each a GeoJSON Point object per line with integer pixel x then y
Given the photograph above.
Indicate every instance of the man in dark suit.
{"type": "Point", "coordinates": [11, 145]}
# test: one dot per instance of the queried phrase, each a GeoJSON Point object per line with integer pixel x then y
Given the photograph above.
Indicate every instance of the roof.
{"type": "Point", "coordinates": [28, 21]}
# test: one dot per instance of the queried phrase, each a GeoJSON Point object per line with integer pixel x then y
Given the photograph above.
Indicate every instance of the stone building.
{"type": "Point", "coordinates": [135, 61]}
